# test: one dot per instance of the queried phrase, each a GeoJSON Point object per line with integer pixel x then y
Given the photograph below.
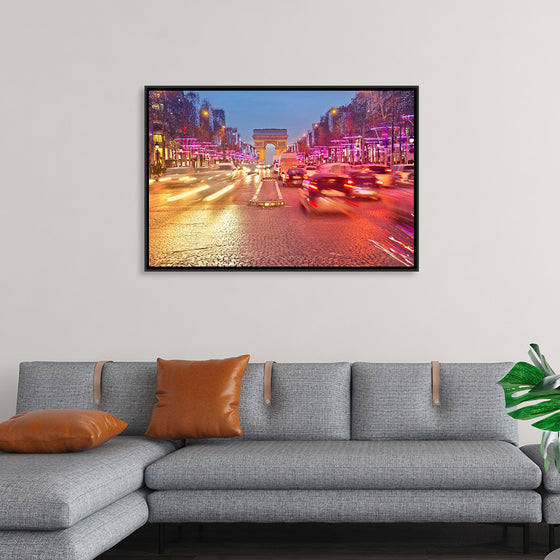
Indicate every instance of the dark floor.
{"type": "Point", "coordinates": [330, 542]}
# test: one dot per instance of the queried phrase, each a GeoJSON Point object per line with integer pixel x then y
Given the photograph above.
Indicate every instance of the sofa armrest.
{"type": "Point", "coordinates": [551, 479]}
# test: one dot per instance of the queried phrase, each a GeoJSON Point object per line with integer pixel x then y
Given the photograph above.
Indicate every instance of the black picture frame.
{"type": "Point", "coordinates": [398, 251]}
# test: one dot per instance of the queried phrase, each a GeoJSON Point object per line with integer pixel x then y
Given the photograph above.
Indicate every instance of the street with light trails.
{"type": "Point", "coordinates": [209, 218]}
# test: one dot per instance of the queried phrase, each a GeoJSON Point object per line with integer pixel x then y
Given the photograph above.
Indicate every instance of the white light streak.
{"type": "Point", "coordinates": [188, 193]}
{"type": "Point", "coordinates": [219, 193]}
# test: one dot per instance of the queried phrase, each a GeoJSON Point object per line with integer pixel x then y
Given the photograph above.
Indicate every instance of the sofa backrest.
{"type": "Point", "coordinates": [309, 401]}
{"type": "Point", "coordinates": [394, 401]}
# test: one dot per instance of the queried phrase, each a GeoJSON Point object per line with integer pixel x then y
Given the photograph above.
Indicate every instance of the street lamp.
{"type": "Point", "coordinates": [334, 111]}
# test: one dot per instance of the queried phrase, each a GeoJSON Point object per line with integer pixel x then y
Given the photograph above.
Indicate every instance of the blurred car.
{"type": "Point", "coordinates": [177, 175]}
{"type": "Point", "coordinates": [336, 168]}
{"type": "Point", "coordinates": [310, 170]}
{"type": "Point", "coordinates": [229, 168]}
{"type": "Point", "coordinates": [366, 185]}
{"type": "Point", "coordinates": [383, 172]}
{"type": "Point", "coordinates": [403, 175]}
{"type": "Point", "coordinates": [326, 192]}
{"type": "Point", "coordinates": [294, 177]}
{"type": "Point", "coordinates": [250, 169]}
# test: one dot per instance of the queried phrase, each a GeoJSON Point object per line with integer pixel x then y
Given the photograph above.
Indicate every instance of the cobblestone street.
{"type": "Point", "coordinates": [212, 223]}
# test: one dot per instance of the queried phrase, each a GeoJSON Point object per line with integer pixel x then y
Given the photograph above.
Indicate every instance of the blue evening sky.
{"type": "Point", "coordinates": [294, 110]}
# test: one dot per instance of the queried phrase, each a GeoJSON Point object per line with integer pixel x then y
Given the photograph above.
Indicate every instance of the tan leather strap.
{"type": "Point", "coordinates": [268, 383]}
{"type": "Point", "coordinates": [97, 371]}
{"type": "Point", "coordinates": [435, 384]}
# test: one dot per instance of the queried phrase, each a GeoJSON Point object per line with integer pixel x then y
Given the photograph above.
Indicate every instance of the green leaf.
{"type": "Point", "coordinates": [525, 383]}
{"type": "Point", "coordinates": [547, 366]}
{"type": "Point", "coordinates": [546, 439]}
{"type": "Point", "coordinates": [550, 423]}
{"type": "Point", "coordinates": [547, 384]}
{"type": "Point", "coordinates": [522, 374]}
{"type": "Point", "coordinates": [547, 442]}
{"type": "Point", "coordinates": [535, 348]}
{"type": "Point", "coordinates": [536, 361]}
{"type": "Point", "coordinates": [540, 362]}
{"type": "Point", "coordinates": [536, 410]}
{"type": "Point", "coordinates": [527, 396]}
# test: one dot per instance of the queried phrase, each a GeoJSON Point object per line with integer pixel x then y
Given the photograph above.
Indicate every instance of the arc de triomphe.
{"type": "Point", "coordinates": [278, 137]}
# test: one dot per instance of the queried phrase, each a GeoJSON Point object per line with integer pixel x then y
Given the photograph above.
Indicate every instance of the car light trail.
{"type": "Point", "coordinates": [411, 249]}
{"type": "Point", "coordinates": [187, 179]}
{"type": "Point", "coordinates": [188, 193]}
{"type": "Point", "coordinates": [165, 179]}
{"type": "Point", "coordinates": [219, 193]}
{"type": "Point", "coordinates": [392, 253]}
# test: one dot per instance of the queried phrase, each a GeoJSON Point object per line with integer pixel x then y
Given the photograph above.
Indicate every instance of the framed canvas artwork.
{"type": "Point", "coordinates": [281, 178]}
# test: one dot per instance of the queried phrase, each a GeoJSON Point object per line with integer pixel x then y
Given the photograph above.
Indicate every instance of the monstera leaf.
{"type": "Point", "coordinates": [526, 383]}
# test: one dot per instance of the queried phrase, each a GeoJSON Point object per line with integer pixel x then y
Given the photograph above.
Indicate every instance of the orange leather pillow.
{"type": "Point", "coordinates": [58, 431]}
{"type": "Point", "coordinates": [197, 399]}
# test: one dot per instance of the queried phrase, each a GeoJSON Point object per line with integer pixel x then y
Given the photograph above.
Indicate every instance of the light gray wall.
{"type": "Point", "coordinates": [71, 213]}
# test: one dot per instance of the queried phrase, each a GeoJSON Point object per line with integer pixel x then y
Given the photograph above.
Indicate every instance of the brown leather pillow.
{"type": "Point", "coordinates": [58, 431]}
{"type": "Point", "coordinates": [197, 399]}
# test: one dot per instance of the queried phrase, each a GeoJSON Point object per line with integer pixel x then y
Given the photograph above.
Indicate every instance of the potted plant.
{"type": "Point", "coordinates": [526, 383]}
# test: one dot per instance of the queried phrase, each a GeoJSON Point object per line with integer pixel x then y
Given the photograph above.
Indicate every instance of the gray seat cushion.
{"type": "Point", "coordinates": [85, 540]}
{"type": "Point", "coordinates": [332, 465]}
{"type": "Point", "coordinates": [550, 478]}
{"type": "Point", "coordinates": [54, 491]}
{"type": "Point", "coordinates": [551, 508]}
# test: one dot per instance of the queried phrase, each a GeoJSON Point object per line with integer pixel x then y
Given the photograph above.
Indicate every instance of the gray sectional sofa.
{"type": "Point", "coordinates": [340, 442]}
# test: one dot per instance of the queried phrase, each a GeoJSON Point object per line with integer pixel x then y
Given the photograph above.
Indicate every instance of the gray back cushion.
{"type": "Point", "coordinates": [394, 401]}
{"type": "Point", "coordinates": [44, 385]}
{"type": "Point", "coordinates": [309, 402]}
{"type": "Point", "coordinates": [127, 389]}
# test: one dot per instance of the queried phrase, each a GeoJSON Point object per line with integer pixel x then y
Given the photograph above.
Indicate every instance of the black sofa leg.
{"type": "Point", "coordinates": [161, 538]}
{"type": "Point", "coordinates": [525, 538]}
{"type": "Point", "coordinates": [551, 528]}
